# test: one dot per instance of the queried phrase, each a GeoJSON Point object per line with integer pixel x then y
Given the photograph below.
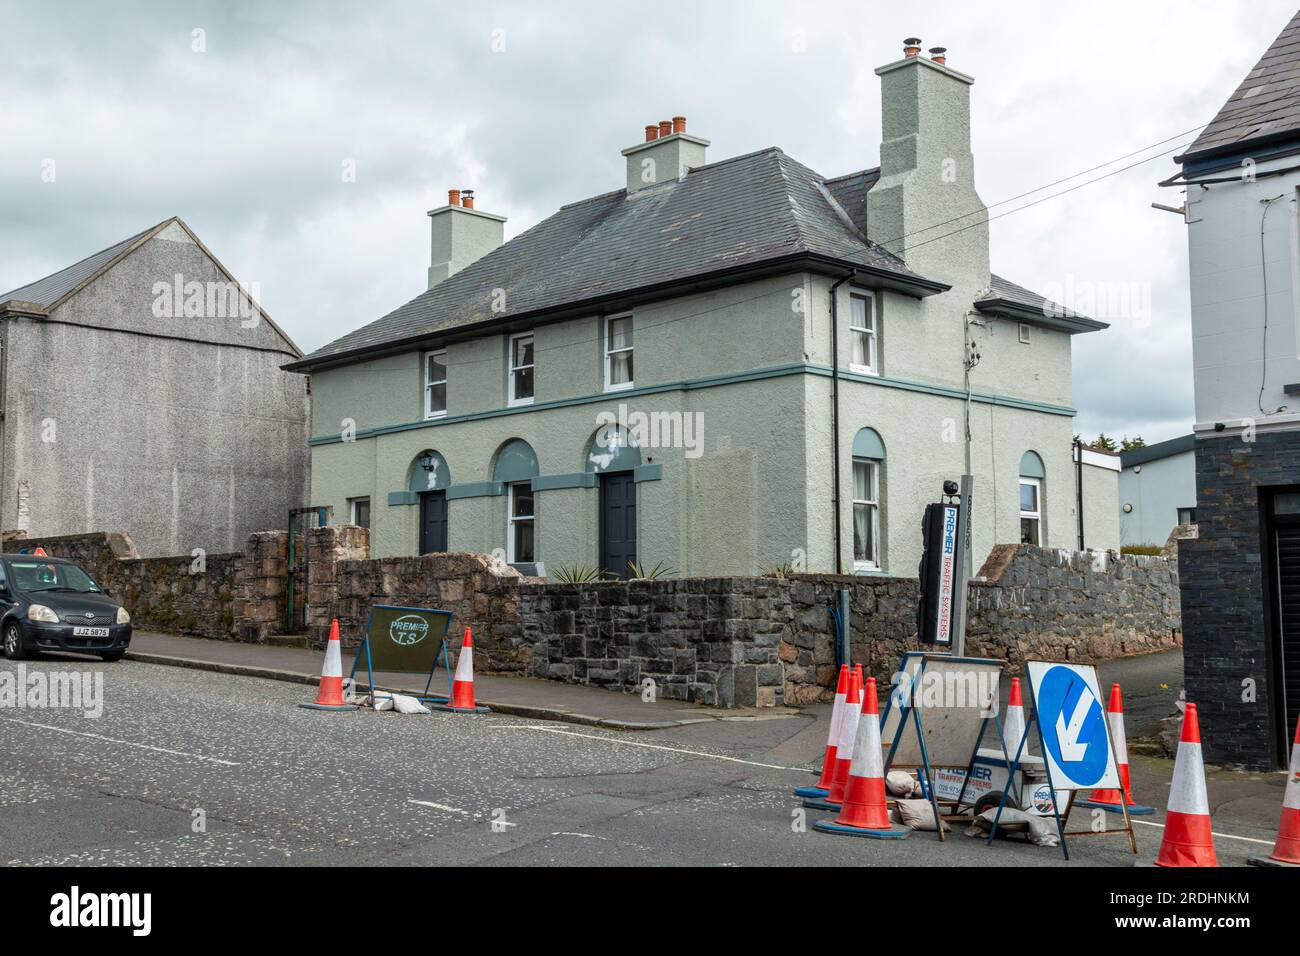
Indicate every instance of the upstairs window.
{"type": "Point", "coordinates": [618, 352]}
{"type": "Point", "coordinates": [435, 384]}
{"type": "Point", "coordinates": [521, 369]}
{"type": "Point", "coordinates": [862, 332]}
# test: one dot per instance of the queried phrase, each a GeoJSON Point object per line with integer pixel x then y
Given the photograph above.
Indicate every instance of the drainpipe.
{"type": "Point", "coordinates": [835, 415]}
{"type": "Point", "coordinates": [1078, 486]}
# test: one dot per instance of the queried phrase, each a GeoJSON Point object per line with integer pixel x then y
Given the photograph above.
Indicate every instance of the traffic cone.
{"type": "Point", "coordinates": [848, 737]}
{"type": "Point", "coordinates": [1109, 799]}
{"type": "Point", "coordinates": [1187, 840]}
{"type": "Point", "coordinates": [462, 685]}
{"type": "Point", "coordinates": [1013, 728]}
{"type": "Point", "coordinates": [864, 812]}
{"type": "Point", "coordinates": [828, 761]}
{"type": "Point", "coordinates": [1286, 851]}
{"type": "Point", "coordinates": [329, 696]}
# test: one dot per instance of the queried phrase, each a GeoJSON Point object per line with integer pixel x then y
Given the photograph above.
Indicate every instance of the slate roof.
{"type": "Point", "coordinates": [756, 209]}
{"type": "Point", "coordinates": [1007, 298]}
{"type": "Point", "coordinates": [1266, 106]}
{"type": "Point", "coordinates": [52, 288]}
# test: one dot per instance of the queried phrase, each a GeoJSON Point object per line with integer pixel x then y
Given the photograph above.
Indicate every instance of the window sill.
{"type": "Point", "coordinates": [622, 387]}
{"type": "Point", "coordinates": [520, 402]}
{"type": "Point", "coordinates": [866, 568]}
{"type": "Point", "coordinates": [430, 416]}
{"type": "Point", "coordinates": [864, 370]}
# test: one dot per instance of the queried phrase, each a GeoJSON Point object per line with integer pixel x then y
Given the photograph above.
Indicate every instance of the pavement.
{"type": "Point", "coordinates": [192, 766]}
{"type": "Point", "coordinates": [504, 694]}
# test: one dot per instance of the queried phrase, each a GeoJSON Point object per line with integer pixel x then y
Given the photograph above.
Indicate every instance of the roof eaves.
{"type": "Point", "coordinates": [918, 286]}
{"type": "Point", "coordinates": [1065, 322]}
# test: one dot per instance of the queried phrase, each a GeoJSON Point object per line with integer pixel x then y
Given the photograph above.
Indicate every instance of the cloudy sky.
{"type": "Point", "coordinates": [246, 139]}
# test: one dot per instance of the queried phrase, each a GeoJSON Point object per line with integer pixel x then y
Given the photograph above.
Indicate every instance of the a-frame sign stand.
{"type": "Point", "coordinates": [1062, 818]}
{"type": "Point", "coordinates": [910, 713]}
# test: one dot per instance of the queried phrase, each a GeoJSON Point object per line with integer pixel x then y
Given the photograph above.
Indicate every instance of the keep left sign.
{"type": "Point", "coordinates": [1072, 716]}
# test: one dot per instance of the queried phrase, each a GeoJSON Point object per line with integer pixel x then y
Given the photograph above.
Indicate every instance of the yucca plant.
{"type": "Point", "coordinates": [641, 573]}
{"type": "Point", "coordinates": [578, 574]}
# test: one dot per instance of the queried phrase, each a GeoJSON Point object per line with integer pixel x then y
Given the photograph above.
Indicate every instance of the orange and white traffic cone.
{"type": "Point", "coordinates": [1013, 728]}
{"type": "Point", "coordinates": [329, 696]}
{"type": "Point", "coordinates": [1187, 840]}
{"type": "Point", "coordinates": [1286, 851]}
{"type": "Point", "coordinates": [828, 761]}
{"type": "Point", "coordinates": [1109, 799]}
{"type": "Point", "coordinates": [462, 684]}
{"type": "Point", "coordinates": [864, 812]}
{"type": "Point", "coordinates": [844, 745]}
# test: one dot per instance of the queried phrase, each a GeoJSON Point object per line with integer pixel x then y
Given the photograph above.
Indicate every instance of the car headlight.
{"type": "Point", "coordinates": [122, 616]}
{"type": "Point", "coordinates": [39, 612]}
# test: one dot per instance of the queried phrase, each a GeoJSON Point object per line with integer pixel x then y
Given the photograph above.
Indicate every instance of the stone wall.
{"type": "Point", "coordinates": [480, 591]}
{"type": "Point", "coordinates": [765, 641]}
{"type": "Point", "coordinates": [261, 594]}
{"type": "Point", "coordinates": [180, 595]}
{"type": "Point", "coordinates": [711, 641]}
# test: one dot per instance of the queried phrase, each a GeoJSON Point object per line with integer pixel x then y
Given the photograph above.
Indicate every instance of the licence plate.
{"type": "Point", "coordinates": [90, 632]}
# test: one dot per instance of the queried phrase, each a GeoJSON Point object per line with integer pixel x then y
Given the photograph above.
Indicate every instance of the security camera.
{"type": "Point", "coordinates": [950, 487]}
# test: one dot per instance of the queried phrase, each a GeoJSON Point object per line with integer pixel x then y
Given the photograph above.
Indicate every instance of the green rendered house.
{"type": "Point", "coordinates": [708, 367]}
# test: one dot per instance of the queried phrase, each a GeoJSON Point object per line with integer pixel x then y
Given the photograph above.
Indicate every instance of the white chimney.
{"type": "Point", "coordinates": [924, 207]}
{"type": "Point", "coordinates": [667, 153]}
{"type": "Point", "coordinates": [461, 234]}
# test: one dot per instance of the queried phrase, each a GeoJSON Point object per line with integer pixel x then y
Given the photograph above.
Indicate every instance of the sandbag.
{"type": "Point", "coordinates": [1040, 831]}
{"type": "Point", "coordinates": [919, 815]}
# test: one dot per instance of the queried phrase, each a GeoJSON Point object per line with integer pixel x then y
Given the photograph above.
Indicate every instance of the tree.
{"type": "Point", "coordinates": [1105, 444]}
{"type": "Point", "coordinates": [1128, 444]}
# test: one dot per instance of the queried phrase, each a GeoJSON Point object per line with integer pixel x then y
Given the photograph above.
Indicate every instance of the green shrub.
{"type": "Point", "coordinates": [1147, 549]}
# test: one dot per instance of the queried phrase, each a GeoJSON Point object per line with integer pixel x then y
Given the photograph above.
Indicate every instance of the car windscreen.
{"type": "Point", "coordinates": [43, 576]}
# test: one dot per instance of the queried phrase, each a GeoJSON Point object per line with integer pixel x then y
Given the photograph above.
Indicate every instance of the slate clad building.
{"type": "Point", "coordinates": [142, 392]}
{"type": "Point", "coordinates": [1241, 578]}
{"type": "Point", "coordinates": [717, 367]}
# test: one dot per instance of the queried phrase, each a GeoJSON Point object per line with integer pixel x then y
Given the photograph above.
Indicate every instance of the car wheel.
{"type": "Point", "coordinates": [111, 656]}
{"type": "Point", "coordinates": [13, 641]}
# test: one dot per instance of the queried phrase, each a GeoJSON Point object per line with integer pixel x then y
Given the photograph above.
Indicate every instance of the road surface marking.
{"type": "Point", "coordinates": [125, 743]}
{"type": "Point", "coordinates": [1226, 836]}
{"type": "Point", "coordinates": [441, 806]}
{"type": "Point", "coordinates": [463, 813]}
{"type": "Point", "coordinates": [634, 743]}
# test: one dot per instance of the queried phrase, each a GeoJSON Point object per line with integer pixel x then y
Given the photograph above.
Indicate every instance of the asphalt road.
{"type": "Point", "coordinates": [277, 784]}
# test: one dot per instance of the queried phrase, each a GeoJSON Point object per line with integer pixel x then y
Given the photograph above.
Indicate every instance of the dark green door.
{"type": "Point", "coordinates": [433, 521]}
{"type": "Point", "coordinates": [617, 522]}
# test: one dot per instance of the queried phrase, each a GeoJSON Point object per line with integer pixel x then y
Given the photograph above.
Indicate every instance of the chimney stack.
{"type": "Point", "coordinates": [461, 234]}
{"type": "Point", "coordinates": [924, 206]}
{"type": "Point", "coordinates": [667, 153]}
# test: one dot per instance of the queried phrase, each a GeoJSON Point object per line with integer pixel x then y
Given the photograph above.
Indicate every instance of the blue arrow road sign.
{"type": "Point", "coordinates": [1074, 726]}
